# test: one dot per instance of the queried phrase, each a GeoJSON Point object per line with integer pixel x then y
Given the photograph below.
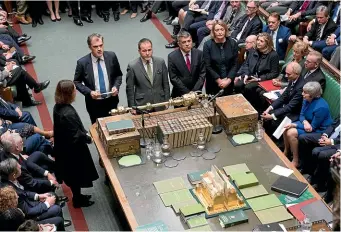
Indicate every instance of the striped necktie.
{"type": "Point", "coordinates": [319, 33]}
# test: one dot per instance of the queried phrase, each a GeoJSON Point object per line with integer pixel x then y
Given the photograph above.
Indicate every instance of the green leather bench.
{"type": "Point", "coordinates": [332, 93]}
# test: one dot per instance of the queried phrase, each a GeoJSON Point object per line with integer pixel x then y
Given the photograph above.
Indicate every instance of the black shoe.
{"type": "Point", "coordinates": [176, 29]}
{"type": "Point", "coordinates": [116, 16]}
{"type": "Point", "coordinates": [146, 17]}
{"type": "Point", "coordinates": [67, 223]}
{"type": "Point", "coordinates": [34, 24]}
{"type": "Point", "coordinates": [173, 44]}
{"type": "Point", "coordinates": [53, 20]}
{"type": "Point", "coordinates": [63, 198]}
{"type": "Point", "coordinates": [82, 203]}
{"type": "Point", "coordinates": [99, 13]}
{"type": "Point", "coordinates": [58, 19]}
{"type": "Point", "coordinates": [78, 22]}
{"type": "Point", "coordinates": [31, 103]}
{"type": "Point", "coordinates": [106, 18]}
{"type": "Point", "coordinates": [24, 37]}
{"type": "Point", "coordinates": [86, 197]}
{"type": "Point", "coordinates": [145, 9]}
{"type": "Point", "coordinates": [42, 86]}
{"type": "Point", "coordinates": [40, 21]}
{"type": "Point", "coordinates": [27, 58]}
{"type": "Point", "coordinates": [87, 19]}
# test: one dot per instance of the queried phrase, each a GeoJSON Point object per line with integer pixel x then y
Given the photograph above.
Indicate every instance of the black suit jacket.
{"type": "Point", "coordinates": [26, 179]}
{"type": "Point", "coordinates": [268, 67]}
{"type": "Point", "coordinates": [329, 28]}
{"type": "Point", "coordinates": [182, 79]}
{"type": "Point", "coordinates": [290, 102]}
{"type": "Point", "coordinates": [84, 74]}
{"type": "Point", "coordinates": [310, 10]}
{"type": "Point", "coordinates": [252, 28]}
{"type": "Point", "coordinates": [330, 130]}
{"type": "Point", "coordinates": [26, 202]}
{"type": "Point", "coordinates": [317, 75]}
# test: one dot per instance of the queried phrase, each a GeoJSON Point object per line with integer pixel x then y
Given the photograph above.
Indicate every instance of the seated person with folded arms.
{"type": "Point", "coordinates": [261, 64]}
{"type": "Point", "coordinates": [332, 42]}
{"type": "Point", "coordinates": [312, 70]}
{"type": "Point", "coordinates": [300, 50]}
{"type": "Point", "coordinates": [41, 207]}
{"type": "Point", "coordinates": [314, 117]}
{"type": "Point", "coordinates": [289, 103]}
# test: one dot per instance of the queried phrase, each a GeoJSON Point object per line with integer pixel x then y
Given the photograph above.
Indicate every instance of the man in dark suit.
{"type": "Point", "coordinates": [12, 112]}
{"type": "Point", "coordinates": [249, 24]}
{"type": "Point", "coordinates": [186, 67]}
{"type": "Point", "coordinates": [98, 77]}
{"type": "Point", "coordinates": [280, 34]}
{"type": "Point", "coordinates": [12, 148]}
{"type": "Point", "coordinates": [289, 103]}
{"type": "Point", "coordinates": [40, 207]}
{"type": "Point", "coordinates": [147, 78]}
{"type": "Point", "coordinates": [320, 30]}
{"type": "Point", "coordinates": [298, 10]}
{"type": "Point", "coordinates": [331, 44]}
{"type": "Point", "coordinates": [312, 70]}
{"type": "Point", "coordinates": [315, 147]}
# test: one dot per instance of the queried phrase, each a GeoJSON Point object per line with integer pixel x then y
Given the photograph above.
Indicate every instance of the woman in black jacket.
{"type": "Point", "coordinates": [74, 164]}
{"type": "Point", "coordinates": [261, 64]}
{"type": "Point", "coordinates": [220, 55]}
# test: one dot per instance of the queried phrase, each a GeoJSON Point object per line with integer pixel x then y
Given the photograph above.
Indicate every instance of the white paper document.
{"type": "Point", "coordinates": [282, 171]}
{"type": "Point", "coordinates": [272, 95]}
{"type": "Point", "coordinates": [280, 129]}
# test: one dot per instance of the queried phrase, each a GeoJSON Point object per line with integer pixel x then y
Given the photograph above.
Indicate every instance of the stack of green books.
{"type": "Point", "coordinates": [244, 180]}
{"type": "Point", "coordinates": [232, 218]}
{"type": "Point", "coordinates": [190, 211]}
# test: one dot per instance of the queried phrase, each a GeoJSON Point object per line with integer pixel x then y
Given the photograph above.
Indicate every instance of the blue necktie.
{"type": "Point", "coordinates": [101, 78]}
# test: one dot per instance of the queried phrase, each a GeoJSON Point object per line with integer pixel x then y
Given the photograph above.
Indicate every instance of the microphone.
{"type": "Point", "coordinates": [221, 92]}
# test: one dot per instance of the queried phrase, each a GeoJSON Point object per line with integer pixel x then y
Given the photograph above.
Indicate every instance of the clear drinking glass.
{"type": "Point", "coordinates": [149, 150]}
{"type": "Point", "coordinates": [157, 154]}
{"type": "Point", "coordinates": [306, 224]}
{"type": "Point", "coordinates": [201, 141]}
{"type": "Point", "coordinates": [259, 130]}
{"type": "Point", "coordinates": [165, 148]}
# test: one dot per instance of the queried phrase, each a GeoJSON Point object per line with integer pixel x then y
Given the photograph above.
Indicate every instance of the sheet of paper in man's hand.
{"type": "Point", "coordinates": [280, 129]}
{"type": "Point", "coordinates": [282, 171]}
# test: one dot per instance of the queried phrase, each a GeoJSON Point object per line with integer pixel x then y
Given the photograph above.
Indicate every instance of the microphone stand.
{"type": "Point", "coordinates": [217, 128]}
{"type": "Point", "coordinates": [143, 143]}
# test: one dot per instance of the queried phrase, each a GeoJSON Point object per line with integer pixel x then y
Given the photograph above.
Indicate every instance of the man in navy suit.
{"type": "Point", "coordinates": [331, 44]}
{"type": "Point", "coordinates": [289, 103]}
{"type": "Point", "coordinates": [12, 112]}
{"type": "Point", "coordinates": [96, 74]}
{"type": "Point", "coordinates": [280, 34]}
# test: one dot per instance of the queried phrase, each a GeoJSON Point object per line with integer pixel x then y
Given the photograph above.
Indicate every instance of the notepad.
{"type": "Point", "coordinates": [169, 185]}
{"type": "Point", "coordinates": [177, 205]}
{"type": "Point", "coordinates": [244, 180]}
{"type": "Point", "coordinates": [264, 202]}
{"type": "Point", "coordinates": [237, 168]}
{"type": "Point", "coordinates": [276, 214]}
{"type": "Point", "coordinates": [289, 186]}
{"type": "Point", "coordinates": [254, 191]}
{"type": "Point", "coordinates": [192, 209]}
{"type": "Point", "coordinates": [176, 196]}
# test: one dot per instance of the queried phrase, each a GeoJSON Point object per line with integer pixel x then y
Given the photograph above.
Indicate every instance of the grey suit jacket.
{"type": "Point", "coordinates": [228, 15]}
{"type": "Point", "coordinates": [140, 90]}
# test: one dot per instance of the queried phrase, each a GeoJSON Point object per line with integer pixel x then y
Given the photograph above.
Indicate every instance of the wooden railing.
{"type": "Point", "coordinates": [325, 63]}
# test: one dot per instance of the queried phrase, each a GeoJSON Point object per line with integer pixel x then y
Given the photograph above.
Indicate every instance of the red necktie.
{"type": "Point", "coordinates": [304, 5]}
{"type": "Point", "coordinates": [188, 62]}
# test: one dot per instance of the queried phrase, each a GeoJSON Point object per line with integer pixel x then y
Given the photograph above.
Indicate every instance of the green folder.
{"type": "Point", "coordinates": [169, 185]}
{"type": "Point", "coordinates": [197, 221]}
{"type": "Point", "coordinates": [285, 199]}
{"type": "Point", "coordinates": [232, 218]}
{"type": "Point", "coordinates": [119, 125]}
{"type": "Point", "coordinates": [156, 226]}
{"type": "Point", "coordinates": [254, 191]}
{"type": "Point", "coordinates": [177, 205]}
{"type": "Point", "coordinates": [276, 214]}
{"type": "Point", "coordinates": [201, 228]}
{"type": "Point", "coordinates": [176, 197]}
{"type": "Point", "coordinates": [237, 168]}
{"type": "Point", "coordinates": [195, 177]}
{"type": "Point", "coordinates": [192, 209]}
{"type": "Point", "coordinates": [244, 180]}
{"type": "Point", "coordinates": [264, 202]}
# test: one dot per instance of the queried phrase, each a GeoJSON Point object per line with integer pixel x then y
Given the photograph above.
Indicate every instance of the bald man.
{"type": "Point", "coordinates": [290, 102]}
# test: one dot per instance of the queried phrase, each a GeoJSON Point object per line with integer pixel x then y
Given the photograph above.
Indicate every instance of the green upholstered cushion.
{"type": "Point", "coordinates": [332, 93]}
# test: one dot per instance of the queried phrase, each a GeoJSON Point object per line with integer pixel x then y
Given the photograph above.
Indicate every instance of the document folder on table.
{"type": "Point", "coordinates": [289, 186]}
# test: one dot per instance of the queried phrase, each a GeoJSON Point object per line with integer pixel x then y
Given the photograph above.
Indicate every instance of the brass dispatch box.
{"type": "Point", "coordinates": [115, 145]}
{"type": "Point", "coordinates": [237, 114]}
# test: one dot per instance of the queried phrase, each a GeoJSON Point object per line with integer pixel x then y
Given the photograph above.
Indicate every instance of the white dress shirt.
{"type": "Point", "coordinates": [189, 56]}
{"type": "Point", "coordinates": [274, 38]}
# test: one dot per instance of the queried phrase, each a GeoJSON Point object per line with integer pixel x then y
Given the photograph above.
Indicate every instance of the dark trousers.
{"type": "Point", "coordinates": [104, 6]}
{"type": "Point", "coordinates": [36, 9]}
{"type": "Point", "coordinates": [85, 9]}
{"type": "Point", "coordinates": [306, 143]}
{"type": "Point", "coordinates": [177, 5]}
{"type": "Point", "coordinates": [202, 32]}
{"type": "Point", "coordinates": [8, 40]}
{"type": "Point", "coordinates": [26, 117]}
{"type": "Point", "coordinates": [53, 215]}
{"type": "Point", "coordinates": [322, 156]}
{"type": "Point", "coordinates": [20, 78]}
{"type": "Point", "coordinates": [213, 88]}
{"type": "Point", "coordinates": [42, 161]}
{"type": "Point", "coordinates": [100, 108]}
{"type": "Point", "coordinates": [37, 142]}
{"type": "Point", "coordinates": [10, 31]}
{"type": "Point", "coordinates": [193, 17]}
